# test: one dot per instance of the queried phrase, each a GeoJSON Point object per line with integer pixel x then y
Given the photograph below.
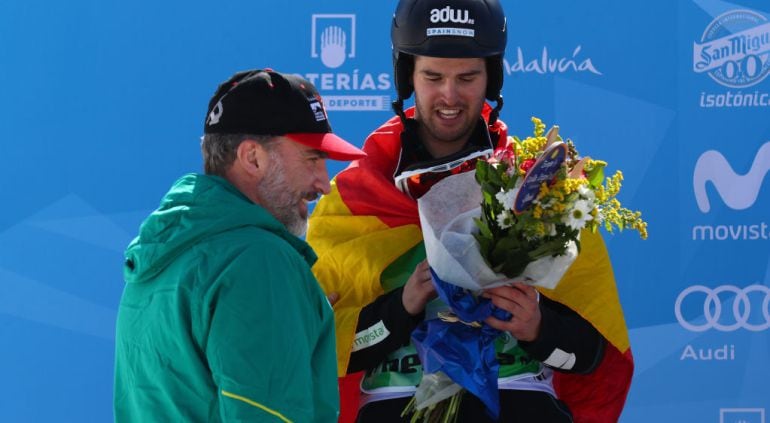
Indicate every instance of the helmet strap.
{"type": "Point", "coordinates": [398, 107]}
{"type": "Point", "coordinates": [495, 113]}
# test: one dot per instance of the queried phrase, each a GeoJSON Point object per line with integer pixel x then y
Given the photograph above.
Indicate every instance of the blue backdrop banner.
{"type": "Point", "coordinates": [103, 105]}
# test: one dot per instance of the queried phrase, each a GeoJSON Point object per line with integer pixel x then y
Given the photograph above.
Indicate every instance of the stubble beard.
{"type": "Point", "coordinates": [280, 200]}
{"type": "Point", "coordinates": [430, 124]}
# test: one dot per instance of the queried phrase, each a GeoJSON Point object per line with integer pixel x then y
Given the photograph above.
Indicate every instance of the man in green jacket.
{"type": "Point", "coordinates": [221, 318]}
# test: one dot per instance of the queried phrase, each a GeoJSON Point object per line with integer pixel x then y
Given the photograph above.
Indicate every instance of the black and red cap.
{"type": "Point", "coordinates": [266, 102]}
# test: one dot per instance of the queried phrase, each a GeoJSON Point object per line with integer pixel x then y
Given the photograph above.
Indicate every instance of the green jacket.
{"type": "Point", "coordinates": [221, 318]}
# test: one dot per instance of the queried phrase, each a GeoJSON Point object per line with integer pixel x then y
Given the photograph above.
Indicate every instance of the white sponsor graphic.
{"type": "Point", "coordinates": [371, 336]}
{"type": "Point", "coordinates": [216, 113]}
{"type": "Point", "coordinates": [732, 232]}
{"type": "Point", "coordinates": [731, 99]}
{"type": "Point", "coordinates": [333, 41]}
{"type": "Point", "coordinates": [548, 63]}
{"type": "Point", "coordinates": [734, 51]}
{"type": "Point", "coordinates": [723, 353]}
{"type": "Point", "coordinates": [318, 110]}
{"type": "Point", "coordinates": [738, 192]}
{"type": "Point", "coordinates": [741, 415]}
{"type": "Point", "coordinates": [561, 359]}
{"type": "Point", "coordinates": [448, 14]}
{"type": "Point", "coordinates": [746, 308]}
{"type": "Point", "coordinates": [333, 44]}
{"type": "Point", "coordinates": [357, 102]}
{"type": "Point", "coordinates": [454, 32]}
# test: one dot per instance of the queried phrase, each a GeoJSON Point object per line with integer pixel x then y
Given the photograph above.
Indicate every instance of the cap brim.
{"type": "Point", "coordinates": [334, 146]}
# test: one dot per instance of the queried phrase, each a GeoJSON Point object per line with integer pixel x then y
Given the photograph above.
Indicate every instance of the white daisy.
{"type": "Point", "coordinates": [599, 216]}
{"type": "Point", "coordinates": [505, 219]}
{"type": "Point", "coordinates": [579, 214]}
{"type": "Point", "coordinates": [506, 198]}
{"type": "Point", "coordinates": [586, 193]}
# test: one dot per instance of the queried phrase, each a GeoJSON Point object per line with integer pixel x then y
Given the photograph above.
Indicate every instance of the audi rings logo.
{"type": "Point", "coordinates": [750, 308]}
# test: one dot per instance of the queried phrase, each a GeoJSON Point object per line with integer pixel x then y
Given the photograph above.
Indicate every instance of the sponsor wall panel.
{"type": "Point", "coordinates": [106, 110]}
{"type": "Point", "coordinates": [721, 307]}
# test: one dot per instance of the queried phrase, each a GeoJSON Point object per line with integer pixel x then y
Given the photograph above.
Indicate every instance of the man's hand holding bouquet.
{"type": "Point", "coordinates": [514, 223]}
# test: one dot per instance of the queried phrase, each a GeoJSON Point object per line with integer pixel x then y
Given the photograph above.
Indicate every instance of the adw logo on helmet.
{"type": "Point", "coordinates": [448, 14]}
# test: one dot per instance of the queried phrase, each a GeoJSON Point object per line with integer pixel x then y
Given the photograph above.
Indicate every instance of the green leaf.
{"type": "Point", "coordinates": [491, 188]}
{"type": "Point", "coordinates": [488, 197]}
{"type": "Point", "coordinates": [513, 268]}
{"type": "Point", "coordinates": [484, 245]}
{"type": "Point", "coordinates": [596, 175]}
{"type": "Point", "coordinates": [511, 182]}
{"type": "Point", "coordinates": [482, 171]}
{"type": "Point", "coordinates": [551, 248]}
{"type": "Point", "coordinates": [516, 257]}
{"type": "Point", "coordinates": [494, 177]}
{"type": "Point", "coordinates": [505, 179]}
{"type": "Point", "coordinates": [509, 256]}
{"type": "Point", "coordinates": [483, 228]}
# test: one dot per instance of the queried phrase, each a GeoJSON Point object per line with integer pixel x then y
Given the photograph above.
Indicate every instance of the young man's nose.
{"type": "Point", "coordinates": [449, 92]}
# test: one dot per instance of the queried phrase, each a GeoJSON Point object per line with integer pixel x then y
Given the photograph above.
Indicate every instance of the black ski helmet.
{"type": "Point", "coordinates": [448, 28]}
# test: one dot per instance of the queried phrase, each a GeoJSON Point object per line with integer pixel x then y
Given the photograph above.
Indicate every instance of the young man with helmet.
{"type": "Point", "coordinates": [449, 53]}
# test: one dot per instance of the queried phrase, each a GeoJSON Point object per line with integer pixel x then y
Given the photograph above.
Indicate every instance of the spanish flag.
{"type": "Point", "coordinates": [365, 225]}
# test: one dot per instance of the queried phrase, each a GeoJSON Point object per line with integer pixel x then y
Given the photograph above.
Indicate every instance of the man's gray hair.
{"type": "Point", "coordinates": [219, 150]}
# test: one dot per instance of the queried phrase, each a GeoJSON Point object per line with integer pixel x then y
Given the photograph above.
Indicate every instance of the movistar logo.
{"type": "Point", "coordinates": [738, 192]}
{"type": "Point", "coordinates": [448, 14]}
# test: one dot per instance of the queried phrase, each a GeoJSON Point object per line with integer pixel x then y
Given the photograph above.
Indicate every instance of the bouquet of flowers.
{"type": "Point", "coordinates": [519, 217]}
{"type": "Point", "coordinates": [538, 194]}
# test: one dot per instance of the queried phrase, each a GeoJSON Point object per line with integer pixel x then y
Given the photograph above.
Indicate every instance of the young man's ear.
{"type": "Point", "coordinates": [252, 158]}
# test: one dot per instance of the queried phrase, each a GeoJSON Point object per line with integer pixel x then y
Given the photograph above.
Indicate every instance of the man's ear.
{"type": "Point", "coordinates": [251, 158]}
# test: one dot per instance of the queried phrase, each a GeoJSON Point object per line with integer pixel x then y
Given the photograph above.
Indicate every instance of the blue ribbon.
{"type": "Point", "coordinates": [464, 353]}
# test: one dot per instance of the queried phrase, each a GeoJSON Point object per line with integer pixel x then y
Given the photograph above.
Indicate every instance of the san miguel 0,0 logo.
{"type": "Point", "coordinates": [734, 51]}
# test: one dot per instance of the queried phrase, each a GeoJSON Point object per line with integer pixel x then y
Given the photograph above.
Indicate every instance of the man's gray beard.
{"type": "Point", "coordinates": [278, 199]}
